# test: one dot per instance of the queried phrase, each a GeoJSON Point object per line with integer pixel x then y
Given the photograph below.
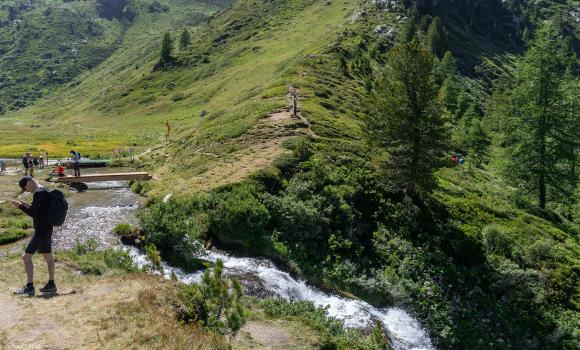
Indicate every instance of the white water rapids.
{"type": "Point", "coordinates": [93, 214]}
{"type": "Point", "coordinates": [406, 333]}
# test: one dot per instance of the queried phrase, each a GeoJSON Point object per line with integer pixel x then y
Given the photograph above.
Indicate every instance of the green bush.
{"type": "Point", "coordinates": [175, 228]}
{"type": "Point", "coordinates": [238, 217]}
{"type": "Point", "coordinates": [12, 235]}
{"type": "Point", "coordinates": [497, 241]}
{"type": "Point", "coordinates": [154, 258]}
{"type": "Point", "coordinates": [538, 254]}
{"type": "Point", "coordinates": [269, 179]}
{"type": "Point", "coordinates": [119, 260]}
{"type": "Point", "coordinates": [140, 187]}
{"type": "Point", "coordinates": [332, 332]}
{"type": "Point", "coordinates": [123, 229]}
{"type": "Point", "coordinates": [87, 247]}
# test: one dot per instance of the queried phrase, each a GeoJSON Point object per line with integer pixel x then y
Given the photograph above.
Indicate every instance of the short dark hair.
{"type": "Point", "coordinates": [23, 181]}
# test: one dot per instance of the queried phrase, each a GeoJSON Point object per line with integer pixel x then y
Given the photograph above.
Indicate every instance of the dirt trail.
{"type": "Point", "coordinates": [287, 113]}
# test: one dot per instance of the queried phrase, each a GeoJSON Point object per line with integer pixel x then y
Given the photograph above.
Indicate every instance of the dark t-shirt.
{"type": "Point", "coordinates": [37, 211]}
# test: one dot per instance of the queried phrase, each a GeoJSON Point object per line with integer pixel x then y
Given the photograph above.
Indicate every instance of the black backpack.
{"type": "Point", "coordinates": [57, 208]}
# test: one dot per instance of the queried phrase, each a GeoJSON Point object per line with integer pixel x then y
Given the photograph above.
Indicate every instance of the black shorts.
{"type": "Point", "coordinates": [41, 243]}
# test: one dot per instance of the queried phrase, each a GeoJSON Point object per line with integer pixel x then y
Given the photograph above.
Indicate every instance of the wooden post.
{"type": "Point", "coordinates": [294, 103]}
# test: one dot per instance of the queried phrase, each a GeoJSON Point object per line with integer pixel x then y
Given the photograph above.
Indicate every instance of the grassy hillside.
{"type": "Point", "coordinates": [47, 43]}
{"type": "Point", "coordinates": [78, 113]}
{"type": "Point", "coordinates": [123, 103]}
{"type": "Point", "coordinates": [477, 261]}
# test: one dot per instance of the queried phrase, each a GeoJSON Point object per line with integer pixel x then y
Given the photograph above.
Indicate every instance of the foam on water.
{"type": "Point", "coordinates": [406, 332]}
{"type": "Point", "coordinates": [93, 215]}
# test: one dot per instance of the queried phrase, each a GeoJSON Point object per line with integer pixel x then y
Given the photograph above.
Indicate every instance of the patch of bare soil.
{"type": "Point", "coordinates": [275, 335]}
{"type": "Point", "coordinates": [268, 335]}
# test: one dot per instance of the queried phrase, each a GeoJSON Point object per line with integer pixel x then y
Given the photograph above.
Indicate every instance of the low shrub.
{"type": "Point", "coordinates": [214, 303]}
{"type": "Point", "coordinates": [119, 260]}
{"type": "Point", "coordinates": [154, 258]}
{"type": "Point", "coordinates": [123, 229]}
{"type": "Point", "coordinates": [496, 241]}
{"type": "Point", "coordinates": [87, 247]}
{"type": "Point", "coordinates": [12, 235]}
{"type": "Point", "coordinates": [332, 332]}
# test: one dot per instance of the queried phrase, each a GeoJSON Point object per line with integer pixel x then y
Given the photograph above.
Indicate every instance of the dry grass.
{"type": "Point", "coordinates": [113, 312]}
{"type": "Point", "coordinates": [132, 311]}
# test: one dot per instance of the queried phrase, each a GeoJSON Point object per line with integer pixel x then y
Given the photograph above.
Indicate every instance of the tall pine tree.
{"type": "Point", "coordinates": [477, 143]}
{"type": "Point", "coordinates": [542, 124]}
{"type": "Point", "coordinates": [166, 50]}
{"type": "Point", "coordinates": [406, 121]}
{"type": "Point", "coordinates": [184, 39]}
{"type": "Point", "coordinates": [436, 38]}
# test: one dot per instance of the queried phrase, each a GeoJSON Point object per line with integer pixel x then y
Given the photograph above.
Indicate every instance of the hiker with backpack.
{"type": "Point", "coordinates": [28, 164]}
{"type": "Point", "coordinates": [76, 158]}
{"type": "Point", "coordinates": [48, 209]}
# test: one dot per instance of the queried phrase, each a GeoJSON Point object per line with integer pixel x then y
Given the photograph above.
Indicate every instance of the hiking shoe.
{"type": "Point", "coordinates": [48, 288]}
{"type": "Point", "coordinates": [26, 290]}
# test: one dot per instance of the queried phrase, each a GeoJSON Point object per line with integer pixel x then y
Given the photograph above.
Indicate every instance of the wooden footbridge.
{"type": "Point", "coordinates": [105, 177]}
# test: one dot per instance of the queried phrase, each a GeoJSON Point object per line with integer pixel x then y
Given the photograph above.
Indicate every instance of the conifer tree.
{"type": "Point", "coordinates": [436, 41]}
{"type": "Point", "coordinates": [477, 143]}
{"type": "Point", "coordinates": [461, 134]}
{"type": "Point", "coordinates": [448, 95]}
{"type": "Point", "coordinates": [526, 35]}
{"type": "Point", "coordinates": [405, 119]}
{"type": "Point", "coordinates": [542, 123]}
{"type": "Point", "coordinates": [166, 50]}
{"type": "Point", "coordinates": [463, 103]}
{"type": "Point", "coordinates": [446, 68]}
{"type": "Point", "coordinates": [408, 30]}
{"type": "Point", "coordinates": [222, 301]}
{"type": "Point", "coordinates": [184, 39]}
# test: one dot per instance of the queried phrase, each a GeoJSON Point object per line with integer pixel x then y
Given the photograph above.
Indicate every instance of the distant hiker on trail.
{"type": "Point", "coordinates": [41, 242]}
{"type": "Point", "coordinates": [76, 158]}
{"type": "Point", "coordinates": [454, 158]}
{"type": "Point", "coordinates": [168, 126]}
{"type": "Point", "coordinates": [41, 161]}
{"type": "Point", "coordinates": [2, 166]}
{"type": "Point", "coordinates": [28, 164]}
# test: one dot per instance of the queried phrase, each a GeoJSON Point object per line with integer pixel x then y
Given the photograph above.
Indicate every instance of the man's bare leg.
{"type": "Point", "coordinates": [50, 265]}
{"type": "Point", "coordinates": [28, 267]}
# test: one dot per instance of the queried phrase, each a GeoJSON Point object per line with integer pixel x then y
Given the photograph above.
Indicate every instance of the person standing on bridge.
{"type": "Point", "coordinates": [41, 242]}
{"type": "Point", "coordinates": [76, 158]}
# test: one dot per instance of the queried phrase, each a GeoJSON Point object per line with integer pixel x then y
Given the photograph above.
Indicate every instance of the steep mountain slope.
{"type": "Point", "coordinates": [236, 72]}
{"type": "Point", "coordinates": [477, 262]}
{"type": "Point", "coordinates": [47, 43]}
{"type": "Point", "coordinates": [76, 114]}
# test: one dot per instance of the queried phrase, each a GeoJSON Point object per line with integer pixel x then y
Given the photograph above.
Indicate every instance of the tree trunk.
{"type": "Point", "coordinates": [542, 174]}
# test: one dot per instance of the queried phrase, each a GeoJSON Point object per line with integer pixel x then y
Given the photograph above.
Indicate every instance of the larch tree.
{"type": "Point", "coordinates": [166, 50]}
{"type": "Point", "coordinates": [184, 39]}
{"type": "Point", "coordinates": [541, 119]}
